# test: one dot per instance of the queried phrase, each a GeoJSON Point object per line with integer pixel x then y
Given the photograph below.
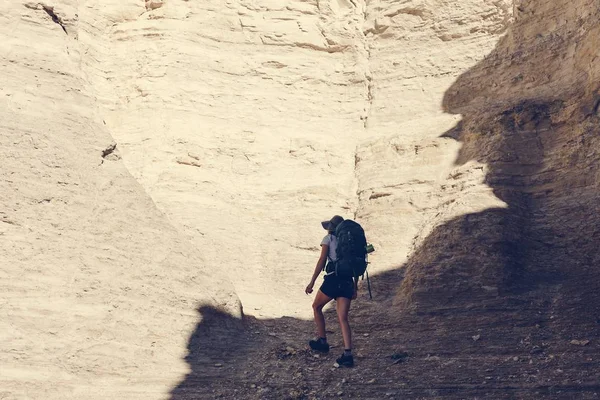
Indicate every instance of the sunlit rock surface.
{"type": "Point", "coordinates": [160, 156]}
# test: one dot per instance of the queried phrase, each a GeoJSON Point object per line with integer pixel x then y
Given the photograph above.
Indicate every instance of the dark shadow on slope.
{"type": "Point", "coordinates": [216, 349]}
{"type": "Point", "coordinates": [269, 358]}
{"type": "Point", "coordinates": [490, 301]}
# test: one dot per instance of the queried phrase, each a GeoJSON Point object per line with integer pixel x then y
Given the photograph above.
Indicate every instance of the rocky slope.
{"type": "Point", "coordinates": [98, 290]}
{"type": "Point", "coordinates": [532, 127]}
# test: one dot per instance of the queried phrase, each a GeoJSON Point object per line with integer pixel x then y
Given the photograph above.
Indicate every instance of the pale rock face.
{"type": "Point", "coordinates": [245, 122]}
{"type": "Point", "coordinates": [240, 125]}
{"type": "Point", "coordinates": [94, 279]}
{"type": "Point", "coordinates": [408, 182]}
{"type": "Point", "coordinates": [240, 119]}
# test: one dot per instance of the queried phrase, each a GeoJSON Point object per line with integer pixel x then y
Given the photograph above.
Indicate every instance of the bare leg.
{"type": "Point", "coordinates": [321, 299]}
{"type": "Point", "coordinates": [343, 307]}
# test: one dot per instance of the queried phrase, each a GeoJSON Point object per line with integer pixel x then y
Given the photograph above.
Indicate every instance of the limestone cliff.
{"type": "Point", "coordinates": [98, 290]}
{"type": "Point", "coordinates": [530, 116]}
{"type": "Point", "coordinates": [162, 157]}
{"type": "Point", "coordinates": [245, 122]}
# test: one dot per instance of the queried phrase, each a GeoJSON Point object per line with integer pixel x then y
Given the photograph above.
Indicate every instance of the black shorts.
{"type": "Point", "coordinates": [335, 287]}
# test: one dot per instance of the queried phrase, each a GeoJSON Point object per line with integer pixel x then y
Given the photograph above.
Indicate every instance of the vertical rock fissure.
{"type": "Point", "coordinates": [364, 50]}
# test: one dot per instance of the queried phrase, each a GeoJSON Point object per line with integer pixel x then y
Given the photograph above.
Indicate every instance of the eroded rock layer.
{"type": "Point", "coordinates": [242, 121]}
{"type": "Point", "coordinates": [98, 290]}
{"type": "Point", "coordinates": [530, 115]}
{"type": "Point", "coordinates": [153, 151]}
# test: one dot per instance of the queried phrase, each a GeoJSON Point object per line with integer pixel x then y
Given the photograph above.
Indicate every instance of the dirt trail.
{"type": "Point", "coordinates": [473, 354]}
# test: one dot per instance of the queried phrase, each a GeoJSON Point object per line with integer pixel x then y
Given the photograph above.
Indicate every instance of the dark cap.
{"type": "Point", "coordinates": [332, 223]}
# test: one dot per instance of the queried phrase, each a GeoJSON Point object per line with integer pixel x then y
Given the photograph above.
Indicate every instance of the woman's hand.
{"type": "Point", "coordinates": [309, 288]}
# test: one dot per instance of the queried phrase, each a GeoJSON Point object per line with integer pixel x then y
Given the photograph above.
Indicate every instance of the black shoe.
{"type": "Point", "coordinates": [345, 361]}
{"type": "Point", "coordinates": [319, 345]}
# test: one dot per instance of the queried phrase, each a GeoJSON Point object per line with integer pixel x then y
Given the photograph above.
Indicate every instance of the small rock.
{"type": "Point", "coordinates": [340, 393]}
{"type": "Point", "coordinates": [371, 381]}
{"type": "Point", "coordinates": [580, 342]}
{"type": "Point", "coordinates": [389, 394]}
{"type": "Point", "coordinates": [153, 4]}
{"type": "Point", "coordinates": [218, 365]}
{"type": "Point", "coordinates": [290, 350]}
{"type": "Point", "coordinates": [476, 337]}
{"type": "Point", "coordinates": [253, 386]}
{"type": "Point", "coordinates": [316, 356]}
{"type": "Point", "coordinates": [515, 358]}
{"type": "Point", "coordinates": [365, 334]}
{"type": "Point", "coordinates": [536, 350]}
{"type": "Point", "coordinates": [336, 365]}
{"type": "Point", "coordinates": [344, 381]}
{"type": "Point", "coordinates": [399, 357]}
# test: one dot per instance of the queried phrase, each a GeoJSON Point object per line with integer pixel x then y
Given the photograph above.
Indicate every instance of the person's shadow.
{"type": "Point", "coordinates": [533, 122]}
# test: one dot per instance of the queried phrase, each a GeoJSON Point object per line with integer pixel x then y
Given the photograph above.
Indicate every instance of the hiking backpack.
{"type": "Point", "coordinates": [351, 250]}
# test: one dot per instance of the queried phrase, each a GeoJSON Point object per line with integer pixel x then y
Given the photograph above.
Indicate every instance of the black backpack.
{"type": "Point", "coordinates": [351, 250]}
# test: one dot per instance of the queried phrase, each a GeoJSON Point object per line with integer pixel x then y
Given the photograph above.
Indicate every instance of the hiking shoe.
{"type": "Point", "coordinates": [319, 345]}
{"type": "Point", "coordinates": [345, 361]}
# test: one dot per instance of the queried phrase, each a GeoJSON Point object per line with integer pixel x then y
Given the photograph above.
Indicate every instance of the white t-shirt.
{"type": "Point", "coordinates": [331, 241]}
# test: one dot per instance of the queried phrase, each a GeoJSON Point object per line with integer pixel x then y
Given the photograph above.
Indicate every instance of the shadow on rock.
{"type": "Point", "coordinates": [503, 303]}
{"type": "Point", "coordinates": [269, 358]}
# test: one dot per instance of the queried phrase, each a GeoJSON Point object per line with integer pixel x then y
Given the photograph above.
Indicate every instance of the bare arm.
{"type": "Point", "coordinates": [318, 268]}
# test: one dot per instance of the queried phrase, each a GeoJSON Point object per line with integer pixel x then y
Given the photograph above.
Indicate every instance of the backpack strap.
{"type": "Point", "coordinates": [332, 267]}
{"type": "Point", "coordinates": [329, 260]}
{"type": "Point", "coordinates": [369, 285]}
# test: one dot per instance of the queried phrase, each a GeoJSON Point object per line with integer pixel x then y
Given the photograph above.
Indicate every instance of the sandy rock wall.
{"type": "Point", "coordinates": [248, 122]}
{"type": "Point", "coordinates": [153, 151]}
{"type": "Point", "coordinates": [98, 290]}
{"type": "Point", "coordinates": [530, 115]}
{"type": "Point", "coordinates": [408, 181]}
{"type": "Point", "coordinates": [241, 120]}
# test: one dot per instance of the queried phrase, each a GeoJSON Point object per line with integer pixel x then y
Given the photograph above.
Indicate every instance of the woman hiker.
{"type": "Point", "coordinates": [343, 290]}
